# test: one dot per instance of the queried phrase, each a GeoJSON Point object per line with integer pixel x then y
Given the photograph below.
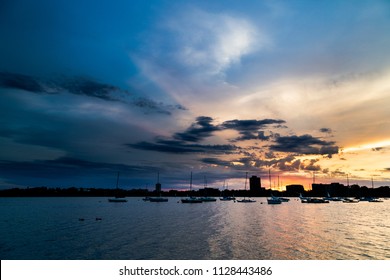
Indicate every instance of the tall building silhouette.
{"type": "Point", "coordinates": [255, 184]}
{"type": "Point", "coordinates": [158, 187]}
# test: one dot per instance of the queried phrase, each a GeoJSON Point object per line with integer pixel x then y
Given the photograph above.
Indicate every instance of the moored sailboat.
{"type": "Point", "coordinates": [274, 200]}
{"type": "Point", "coordinates": [117, 198]}
{"type": "Point", "coordinates": [191, 199]}
{"type": "Point", "coordinates": [224, 196]}
{"type": "Point", "coordinates": [246, 200]}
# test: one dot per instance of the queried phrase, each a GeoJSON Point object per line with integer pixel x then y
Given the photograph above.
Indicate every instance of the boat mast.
{"type": "Point", "coordinates": [191, 182]}
{"type": "Point", "coordinates": [117, 180]}
{"type": "Point", "coordinates": [269, 178]}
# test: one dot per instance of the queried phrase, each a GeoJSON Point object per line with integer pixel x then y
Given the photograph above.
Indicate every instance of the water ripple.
{"type": "Point", "coordinates": [68, 228]}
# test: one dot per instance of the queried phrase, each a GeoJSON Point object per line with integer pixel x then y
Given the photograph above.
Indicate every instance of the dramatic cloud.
{"type": "Point", "coordinates": [180, 147]}
{"type": "Point", "coordinates": [23, 82]}
{"type": "Point", "coordinates": [203, 128]}
{"type": "Point", "coordinates": [304, 145]}
{"type": "Point", "coordinates": [216, 161]}
{"type": "Point", "coordinates": [249, 129]}
{"type": "Point", "coordinates": [199, 130]}
{"type": "Point", "coordinates": [68, 169]}
{"type": "Point", "coordinates": [83, 86]}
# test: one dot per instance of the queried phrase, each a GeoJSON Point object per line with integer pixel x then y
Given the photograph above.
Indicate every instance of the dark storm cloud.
{"type": "Point", "coordinates": [249, 125]}
{"type": "Point", "coordinates": [83, 86]}
{"type": "Point", "coordinates": [199, 130]}
{"type": "Point", "coordinates": [249, 129]}
{"type": "Point", "coordinates": [202, 128]}
{"type": "Point", "coordinates": [187, 141]}
{"type": "Point", "coordinates": [65, 167]}
{"type": "Point", "coordinates": [89, 87]}
{"type": "Point", "coordinates": [304, 144]}
{"type": "Point", "coordinates": [74, 85]}
{"type": "Point", "coordinates": [180, 147]}
{"type": "Point", "coordinates": [289, 163]}
{"type": "Point", "coordinates": [310, 165]}
{"type": "Point", "coordinates": [22, 82]}
{"type": "Point", "coordinates": [216, 161]}
{"type": "Point", "coordinates": [50, 168]}
{"type": "Point", "coordinates": [153, 106]}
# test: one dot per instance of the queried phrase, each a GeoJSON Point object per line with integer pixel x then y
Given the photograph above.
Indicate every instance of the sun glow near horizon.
{"type": "Point", "coordinates": [367, 146]}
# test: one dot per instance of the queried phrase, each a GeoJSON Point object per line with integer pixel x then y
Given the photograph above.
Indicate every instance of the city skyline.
{"type": "Point", "coordinates": [295, 88]}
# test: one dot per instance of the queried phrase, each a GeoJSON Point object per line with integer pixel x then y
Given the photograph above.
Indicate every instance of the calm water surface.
{"type": "Point", "coordinates": [49, 228]}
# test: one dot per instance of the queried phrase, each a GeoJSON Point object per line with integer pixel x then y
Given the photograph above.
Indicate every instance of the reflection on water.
{"type": "Point", "coordinates": [49, 228]}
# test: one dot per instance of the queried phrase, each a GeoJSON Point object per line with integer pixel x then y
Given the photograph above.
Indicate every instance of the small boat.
{"type": "Point", "coordinates": [158, 199]}
{"type": "Point", "coordinates": [246, 200]}
{"type": "Point", "coordinates": [117, 198]}
{"type": "Point", "coordinates": [350, 200]}
{"type": "Point", "coordinates": [207, 199]}
{"type": "Point", "coordinates": [312, 199]}
{"type": "Point", "coordinates": [274, 200]}
{"type": "Point", "coordinates": [366, 198]}
{"type": "Point", "coordinates": [191, 199]}
{"type": "Point", "coordinates": [227, 198]}
{"type": "Point", "coordinates": [331, 198]}
{"type": "Point", "coordinates": [375, 200]}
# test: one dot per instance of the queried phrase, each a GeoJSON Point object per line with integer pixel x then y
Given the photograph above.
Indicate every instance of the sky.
{"type": "Point", "coordinates": [297, 89]}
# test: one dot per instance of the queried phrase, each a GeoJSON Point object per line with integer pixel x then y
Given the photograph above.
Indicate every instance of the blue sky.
{"type": "Point", "coordinates": [219, 88]}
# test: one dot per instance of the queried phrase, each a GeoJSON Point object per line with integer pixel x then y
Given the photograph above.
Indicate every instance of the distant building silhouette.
{"type": "Point", "coordinates": [294, 190]}
{"type": "Point", "coordinates": [333, 189]}
{"type": "Point", "coordinates": [158, 187]}
{"type": "Point", "coordinates": [255, 185]}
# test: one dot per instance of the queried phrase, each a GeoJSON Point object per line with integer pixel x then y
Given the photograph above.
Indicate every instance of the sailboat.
{"type": "Point", "coordinates": [159, 198]}
{"type": "Point", "coordinates": [117, 197]}
{"type": "Point", "coordinates": [225, 197]}
{"type": "Point", "coordinates": [312, 199]}
{"type": "Point", "coordinates": [374, 199]}
{"type": "Point", "coordinates": [191, 199]}
{"type": "Point", "coordinates": [207, 198]}
{"type": "Point", "coordinates": [273, 199]}
{"type": "Point", "coordinates": [246, 200]}
{"type": "Point", "coordinates": [331, 198]}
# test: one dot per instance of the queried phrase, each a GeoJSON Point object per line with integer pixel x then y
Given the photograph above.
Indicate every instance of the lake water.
{"type": "Point", "coordinates": [49, 228]}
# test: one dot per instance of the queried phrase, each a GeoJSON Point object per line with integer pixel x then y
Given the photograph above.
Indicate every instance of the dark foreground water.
{"type": "Point", "coordinates": [49, 228]}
